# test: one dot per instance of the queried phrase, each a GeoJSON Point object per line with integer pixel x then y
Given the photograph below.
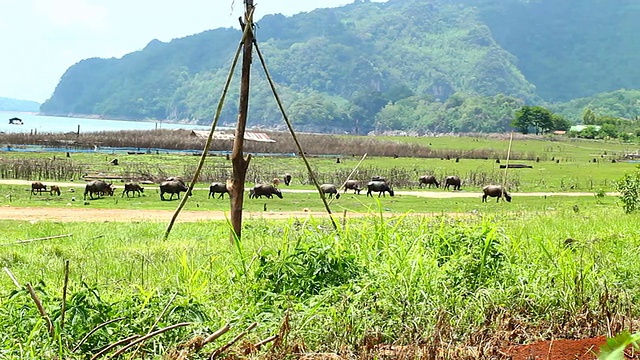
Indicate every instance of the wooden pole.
{"type": "Point", "coordinates": [240, 164]}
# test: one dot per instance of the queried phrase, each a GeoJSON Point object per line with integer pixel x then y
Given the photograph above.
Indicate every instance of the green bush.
{"type": "Point", "coordinates": [629, 188]}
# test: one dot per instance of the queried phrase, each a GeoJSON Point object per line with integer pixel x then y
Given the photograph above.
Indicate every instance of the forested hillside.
{"type": "Point", "coordinates": [7, 104]}
{"type": "Point", "coordinates": [428, 66]}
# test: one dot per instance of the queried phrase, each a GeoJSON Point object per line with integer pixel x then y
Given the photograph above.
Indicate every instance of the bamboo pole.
{"type": "Point", "coordinates": [240, 164]}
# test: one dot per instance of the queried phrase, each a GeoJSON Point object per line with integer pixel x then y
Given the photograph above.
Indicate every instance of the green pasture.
{"type": "Point", "coordinates": [20, 196]}
{"type": "Point", "coordinates": [403, 173]}
{"type": "Point", "coordinates": [373, 277]}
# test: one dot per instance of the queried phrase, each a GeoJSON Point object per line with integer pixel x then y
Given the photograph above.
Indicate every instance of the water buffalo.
{"type": "Point", "coordinates": [275, 182]}
{"type": "Point", "coordinates": [55, 189]}
{"type": "Point", "coordinates": [172, 187]}
{"type": "Point", "coordinates": [135, 188]}
{"type": "Point", "coordinates": [98, 187]}
{"type": "Point", "coordinates": [428, 180]}
{"type": "Point", "coordinates": [330, 189]}
{"type": "Point", "coordinates": [38, 187]}
{"type": "Point", "coordinates": [495, 191]}
{"type": "Point", "coordinates": [287, 179]}
{"type": "Point", "coordinates": [379, 186]}
{"type": "Point", "coordinates": [218, 188]}
{"type": "Point", "coordinates": [267, 190]}
{"type": "Point", "coordinates": [452, 181]}
{"type": "Point", "coordinates": [352, 185]}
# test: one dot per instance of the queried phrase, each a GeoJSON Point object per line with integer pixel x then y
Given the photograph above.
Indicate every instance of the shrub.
{"type": "Point", "coordinates": [629, 188]}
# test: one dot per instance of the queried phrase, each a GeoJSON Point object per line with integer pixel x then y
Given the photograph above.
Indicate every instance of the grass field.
{"type": "Point", "coordinates": [538, 267]}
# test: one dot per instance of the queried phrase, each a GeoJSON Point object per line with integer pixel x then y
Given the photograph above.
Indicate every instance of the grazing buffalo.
{"type": "Point", "coordinates": [287, 179]}
{"type": "Point", "coordinates": [452, 181]}
{"type": "Point", "coordinates": [38, 187]}
{"type": "Point", "coordinates": [218, 188]}
{"type": "Point", "coordinates": [496, 191]}
{"type": "Point", "coordinates": [330, 189]}
{"type": "Point", "coordinates": [352, 185]}
{"type": "Point", "coordinates": [176, 178]}
{"type": "Point", "coordinates": [380, 187]}
{"type": "Point", "coordinates": [428, 180]}
{"type": "Point", "coordinates": [135, 188]}
{"type": "Point", "coordinates": [267, 190]}
{"type": "Point", "coordinates": [172, 187]}
{"type": "Point", "coordinates": [55, 189]}
{"type": "Point", "coordinates": [98, 187]}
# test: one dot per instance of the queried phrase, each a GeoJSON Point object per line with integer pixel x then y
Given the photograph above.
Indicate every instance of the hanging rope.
{"type": "Point", "coordinates": [293, 134]}
{"type": "Point", "coordinates": [210, 137]}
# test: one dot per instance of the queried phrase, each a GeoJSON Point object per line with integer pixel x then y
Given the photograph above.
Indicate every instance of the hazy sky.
{"type": "Point", "coordinates": [40, 39]}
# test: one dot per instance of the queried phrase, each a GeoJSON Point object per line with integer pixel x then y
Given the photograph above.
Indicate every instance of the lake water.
{"type": "Point", "coordinates": [55, 124]}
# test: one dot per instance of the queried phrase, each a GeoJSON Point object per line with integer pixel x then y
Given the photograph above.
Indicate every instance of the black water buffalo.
{"type": "Point", "coordinates": [38, 187]}
{"type": "Point", "coordinates": [55, 189]}
{"type": "Point", "coordinates": [380, 187]}
{"type": "Point", "coordinates": [134, 188]}
{"type": "Point", "coordinates": [496, 191]}
{"type": "Point", "coordinates": [330, 189]}
{"type": "Point", "coordinates": [287, 179]}
{"type": "Point", "coordinates": [452, 181]}
{"type": "Point", "coordinates": [218, 188]}
{"type": "Point", "coordinates": [267, 190]}
{"type": "Point", "coordinates": [172, 187]}
{"type": "Point", "coordinates": [428, 180]}
{"type": "Point", "coordinates": [98, 187]}
{"type": "Point", "coordinates": [352, 185]}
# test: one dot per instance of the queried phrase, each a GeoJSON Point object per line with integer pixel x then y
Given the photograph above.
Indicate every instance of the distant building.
{"type": "Point", "coordinates": [221, 135]}
{"type": "Point", "coordinates": [578, 128]}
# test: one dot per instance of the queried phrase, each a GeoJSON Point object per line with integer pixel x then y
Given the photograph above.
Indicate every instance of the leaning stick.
{"type": "Point", "coordinates": [166, 307]}
{"type": "Point", "coordinates": [13, 278]}
{"type": "Point", "coordinates": [224, 347]}
{"type": "Point", "coordinates": [146, 337]}
{"type": "Point", "coordinates": [38, 239]}
{"type": "Point", "coordinates": [259, 344]}
{"type": "Point", "coordinates": [43, 313]}
{"type": "Point", "coordinates": [216, 334]}
{"type": "Point", "coordinates": [108, 348]}
{"type": "Point", "coordinates": [94, 330]}
{"type": "Point", "coordinates": [64, 293]}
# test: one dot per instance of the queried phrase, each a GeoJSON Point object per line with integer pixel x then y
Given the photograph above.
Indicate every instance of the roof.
{"type": "Point", "coordinates": [579, 128]}
{"type": "Point", "coordinates": [221, 135]}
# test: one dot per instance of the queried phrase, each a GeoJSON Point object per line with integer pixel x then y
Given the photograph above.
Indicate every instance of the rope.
{"type": "Point", "coordinates": [293, 134]}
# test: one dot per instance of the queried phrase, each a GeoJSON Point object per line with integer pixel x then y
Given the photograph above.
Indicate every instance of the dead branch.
{"type": "Point", "coordinates": [43, 313]}
{"type": "Point", "coordinates": [64, 293]}
{"type": "Point", "coordinates": [146, 337]}
{"type": "Point", "coordinates": [216, 334]}
{"type": "Point", "coordinates": [93, 331]}
{"type": "Point", "coordinates": [224, 347]}
{"type": "Point", "coordinates": [13, 278]}
{"type": "Point", "coordinates": [166, 307]}
{"type": "Point", "coordinates": [259, 344]}
{"type": "Point", "coordinates": [117, 343]}
{"type": "Point", "coordinates": [38, 239]}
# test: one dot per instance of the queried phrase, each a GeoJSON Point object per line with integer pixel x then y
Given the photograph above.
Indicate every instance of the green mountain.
{"type": "Point", "coordinates": [7, 104]}
{"type": "Point", "coordinates": [437, 65]}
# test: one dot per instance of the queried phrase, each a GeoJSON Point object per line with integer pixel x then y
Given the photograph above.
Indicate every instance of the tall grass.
{"type": "Point", "coordinates": [402, 280]}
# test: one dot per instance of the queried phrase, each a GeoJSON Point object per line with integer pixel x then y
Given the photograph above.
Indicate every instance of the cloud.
{"type": "Point", "coordinates": [67, 13]}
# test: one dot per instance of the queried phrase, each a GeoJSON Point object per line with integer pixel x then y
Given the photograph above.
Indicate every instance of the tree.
{"type": "Point", "coordinates": [536, 117]}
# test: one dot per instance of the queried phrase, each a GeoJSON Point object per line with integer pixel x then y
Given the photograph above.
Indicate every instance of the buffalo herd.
{"type": "Point", "coordinates": [176, 185]}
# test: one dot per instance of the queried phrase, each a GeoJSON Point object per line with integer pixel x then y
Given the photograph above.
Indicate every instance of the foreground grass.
{"type": "Point", "coordinates": [401, 279]}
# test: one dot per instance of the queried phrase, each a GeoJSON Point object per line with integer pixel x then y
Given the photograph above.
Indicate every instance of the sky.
{"type": "Point", "coordinates": [41, 39]}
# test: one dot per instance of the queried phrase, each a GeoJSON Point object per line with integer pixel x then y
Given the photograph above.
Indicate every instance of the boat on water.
{"type": "Point", "coordinates": [16, 121]}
